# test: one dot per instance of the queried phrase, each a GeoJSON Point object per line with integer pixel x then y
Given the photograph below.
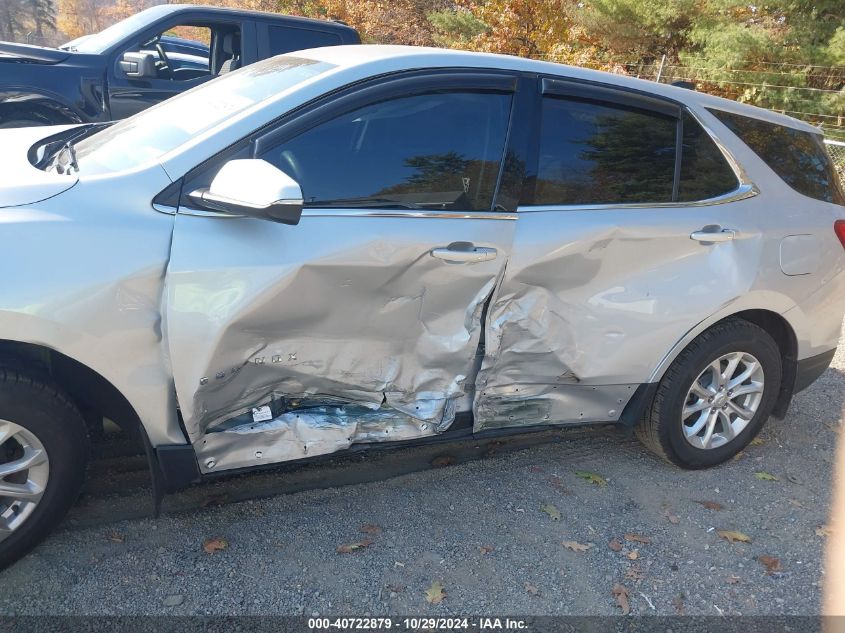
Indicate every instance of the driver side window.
{"type": "Point", "coordinates": [186, 51]}
{"type": "Point", "coordinates": [439, 151]}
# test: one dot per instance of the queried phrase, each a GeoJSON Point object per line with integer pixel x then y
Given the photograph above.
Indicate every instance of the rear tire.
{"type": "Point", "coordinates": [695, 420]}
{"type": "Point", "coordinates": [36, 417]}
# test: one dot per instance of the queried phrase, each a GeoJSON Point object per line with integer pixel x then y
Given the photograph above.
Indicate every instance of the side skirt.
{"type": "Point", "coordinates": [177, 465]}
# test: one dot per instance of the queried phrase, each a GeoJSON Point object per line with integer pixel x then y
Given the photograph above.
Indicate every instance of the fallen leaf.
{"type": "Point", "coordinates": [435, 593]}
{"type": "Point", "coordinates": [370, 528]}
{"type": "Point", "coordinates": [824, 530]}
{"type": "Point", "coordinates": [732, 536]}
{"type": "Point", "coordinates": [797, 503]}
{"type": "Point", "coordinates": [621, 594]}
{"type": "Point", "coordinates": [114, 537]}
{"type": "Point", "coordinates": [738, 456]}
{"type": "Point", "coordinates": [532, 589]}
{"type": "Point", "coordinates": [575, 546]}
{"type": "Point", "coordinates": [485, 549]}
{"type": "Point", "coordinates": [634, 554]}
{"type": "Point", "coordinates": [674, 519]}
{"type": "Point", "coordinates": [615, 545]}
{"type": "Point", "coordinates": [764, 476]}
{"type": "Point", "coordinates": [678, 603]}
{"type": "Point", "coordinates": [757, 441]}
{"type": "Point", "coordinates": [395, 588]}
{"type": "Point", "coordinates": [638, 538]}
{"type": "Point", "coordinates": [591, 477]}
{"type": "Point", "coordinates": [557, 484]}
{"type": "Point", "coordinates": [771, 563]}
{"type": "Point", "coordinates": [712, 505]}
{"type": "Point", "coordinates": [535, 469]}
{"type": "Point", "coordinates": [443, 460]}
{"type": "Point", "coordinates": [215, 545]}
{"type": "Point", "coordinates": [552, 511]}
{"type": "Point", "coordinates": [352, 547]}
{"type": "Point", "coordinates": [732, 580]}
{"type": "Point", "coordinates": [634, 573]}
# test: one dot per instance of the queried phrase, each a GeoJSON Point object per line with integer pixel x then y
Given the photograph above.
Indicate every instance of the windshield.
{"type": "Point", "coordinates": [99, 43]}
{"type": "Point", "coordinates": [152, 133]}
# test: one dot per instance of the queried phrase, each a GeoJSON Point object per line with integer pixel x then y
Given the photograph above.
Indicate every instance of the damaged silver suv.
{"type": "Point", "coordinates": [369, 244]}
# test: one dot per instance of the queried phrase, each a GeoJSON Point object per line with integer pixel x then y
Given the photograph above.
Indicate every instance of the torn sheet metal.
{"type": "Point", "coordinates": [532, 405]}
{"type": "Point", "coordinates": [308, 432]}
{"type": "Point", "coordinates": [591, 301]}
{"type": "Point", "coordinates": [345, 308]}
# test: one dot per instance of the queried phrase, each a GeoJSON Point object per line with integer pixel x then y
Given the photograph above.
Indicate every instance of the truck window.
{"type": "Point", "coordinates": [285, 39]}
{"type": "Point", "coordinates": [184, 52]}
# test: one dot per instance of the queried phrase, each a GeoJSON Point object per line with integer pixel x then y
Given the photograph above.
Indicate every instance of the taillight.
{"type": "Point", "coordinates": [839, 229]}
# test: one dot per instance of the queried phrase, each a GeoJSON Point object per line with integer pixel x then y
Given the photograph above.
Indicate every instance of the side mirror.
{"type": "Point", "coordinates": [138, 65]}
{"type": "Point", "coordinates": [255, 188]}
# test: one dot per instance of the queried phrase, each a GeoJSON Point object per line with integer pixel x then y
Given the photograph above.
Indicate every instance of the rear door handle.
{"type": "Point", "coordinates": [465, 254]}
{"type": "Point", "coordinates": [706, 235]}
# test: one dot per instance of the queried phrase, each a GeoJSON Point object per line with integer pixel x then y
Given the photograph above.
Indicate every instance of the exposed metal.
{"type": "Point", "coordinates": [722, 400]}
{"type": "Point", "coordinates": [308, 431]}
{"type": "Point", "coordinates": [24, 472]}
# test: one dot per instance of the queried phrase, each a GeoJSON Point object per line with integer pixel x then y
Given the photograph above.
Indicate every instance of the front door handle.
{"type": "Point", "coordinates": [463, 253]}
{"type": "Point", "coordinates": [713, 234]}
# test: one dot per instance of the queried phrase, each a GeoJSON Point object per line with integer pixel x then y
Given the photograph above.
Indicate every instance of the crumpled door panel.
{"type": "Point", "coordinates": [592, 300]}
{"type": "Point", "coordinates": [350, 313]}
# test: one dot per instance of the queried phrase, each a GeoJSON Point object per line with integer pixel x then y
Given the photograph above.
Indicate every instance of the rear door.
{"type": "Point", "coordinates": [624, 243]}
{"type": "Point", "coordinates": [363, 322]}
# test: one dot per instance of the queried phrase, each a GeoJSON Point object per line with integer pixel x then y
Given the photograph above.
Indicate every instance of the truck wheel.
{"type": "Point", "coordinates": [715, 396]}
{"type": "Point", "coordinates": [43, 454]}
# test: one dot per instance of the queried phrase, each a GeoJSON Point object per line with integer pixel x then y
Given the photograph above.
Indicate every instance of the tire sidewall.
{"type": "Point", "coordinates": [751, 340]}
{"type": "Point", "coordinates": [61, 430]}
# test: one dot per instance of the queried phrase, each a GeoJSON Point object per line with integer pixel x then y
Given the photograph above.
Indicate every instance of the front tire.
{"type": "Point", "coordinates": [715, 396]}
{"type": "Point", "coordinates": [43, 455]}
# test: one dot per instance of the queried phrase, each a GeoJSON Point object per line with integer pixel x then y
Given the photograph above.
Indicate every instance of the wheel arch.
{"type": "Point", "coordinates": [775, 324]}
{"type": "Point", "coordinates": [46, 109]}
{"type": "Point", "coordinates": [89, 390]}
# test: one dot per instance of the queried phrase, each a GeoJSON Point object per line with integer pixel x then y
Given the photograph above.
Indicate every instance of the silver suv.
{"type": "Point", "coordinates": [370, 244]}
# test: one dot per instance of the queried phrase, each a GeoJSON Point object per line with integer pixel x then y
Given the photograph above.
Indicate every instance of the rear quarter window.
{"type": "Point", "coordinates": [798, 157]}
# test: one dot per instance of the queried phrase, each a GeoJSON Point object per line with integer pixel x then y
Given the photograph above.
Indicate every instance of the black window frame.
{"type": "Point", "coordinates": [837, 189]}
{"type": "Point", "coordinates": [619, 97]}
{"type": "Point", "coordinates": [351, 97]}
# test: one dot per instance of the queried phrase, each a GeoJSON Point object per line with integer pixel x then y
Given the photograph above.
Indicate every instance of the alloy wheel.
{"type": "Point", "coordinates": [722, 400]}
{"type": "Point", "coordinates": [24, 471]}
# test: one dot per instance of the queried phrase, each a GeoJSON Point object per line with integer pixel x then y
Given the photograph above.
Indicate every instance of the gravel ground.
{"type": "Point", "coordinates": [487, 521]}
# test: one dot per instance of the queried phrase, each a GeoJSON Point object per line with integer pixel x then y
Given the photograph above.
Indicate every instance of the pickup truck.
{"type": "Point", "coordinates": [145, 59]}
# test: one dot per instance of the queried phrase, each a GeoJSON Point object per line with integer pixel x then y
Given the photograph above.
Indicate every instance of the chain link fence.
{"type": "Point", "coordinates": [836, 149]}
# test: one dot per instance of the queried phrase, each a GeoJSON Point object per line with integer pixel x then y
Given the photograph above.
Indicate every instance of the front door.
{"type": "Point", "coordinates": [363, 322]}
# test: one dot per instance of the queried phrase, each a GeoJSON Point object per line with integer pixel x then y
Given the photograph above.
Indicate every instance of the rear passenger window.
{"type": "Point", "coordinates": [704, 171]}
{"type": "Point", "coordinates": [289, 39]}
{"type": "Point", "coordinates": [798, 157]}
{"type": "Point", "coordinates": [596, 153]}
